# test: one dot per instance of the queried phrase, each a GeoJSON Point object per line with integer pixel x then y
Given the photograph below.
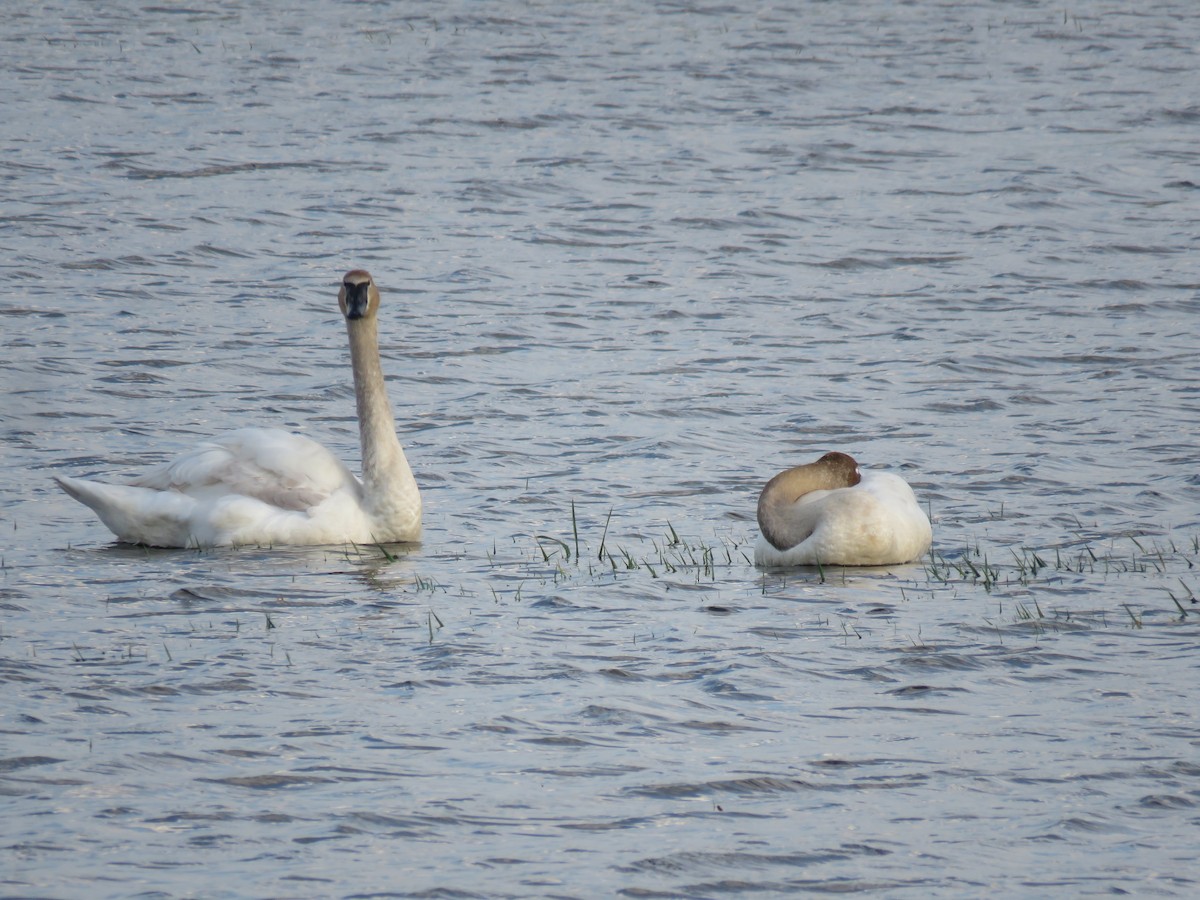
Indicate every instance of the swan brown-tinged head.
{"type": "Point", "coordinates": [838, 467]}
{"type": "Point", "coordinates": [358, 298]}
{"type": "Point", "coordinates": [833, 470]}
{"type": "Point", "coordinates": [830, 472]}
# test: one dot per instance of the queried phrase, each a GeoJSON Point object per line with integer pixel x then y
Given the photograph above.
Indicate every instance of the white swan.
{"type": "Point", "coordinates": [832, 513]}
{"type": "Point", "coordinates": [263, 486]}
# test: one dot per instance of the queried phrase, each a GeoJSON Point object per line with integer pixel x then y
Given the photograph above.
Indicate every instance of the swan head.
{"type": "Point", "coordinates": [833, 470]}
{"type": "Point", "coordinates": [839, 469]}
{"type": "Point", "coordinates": [358, 298]}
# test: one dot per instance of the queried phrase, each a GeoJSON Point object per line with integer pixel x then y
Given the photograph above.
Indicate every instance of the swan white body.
{"type": "Point", "coordinates": [268, 487]}
{"type": "Point", "coordinates": [832, 513]}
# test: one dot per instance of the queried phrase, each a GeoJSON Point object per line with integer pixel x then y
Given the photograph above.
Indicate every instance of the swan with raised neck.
{"type": "Point", "coordinates": [265, 486]}
{"type": "Point", "coordinates": [831, 512]}
{"type": "Point", "coordinates": [389, 489]}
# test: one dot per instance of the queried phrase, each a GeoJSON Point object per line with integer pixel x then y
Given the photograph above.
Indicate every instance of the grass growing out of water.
{"type": "Point", "coordinates": [1190, 597]}
{"type": "Point", "coordinates": [1072, 567]}
{"type": "Point", "coordinates": [668, 555]}
{"type": "Point", "coordinates": [972, 565]}
{"type": "Point", "coordinates": [997, 569]}
{"type": "Point", "coordinates": [665, 556]}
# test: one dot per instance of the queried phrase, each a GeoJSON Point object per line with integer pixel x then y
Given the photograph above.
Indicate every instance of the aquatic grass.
{"type": "Point", "coordinates": [1183, 611]}
{"type": "Point", "coordinates": [427, 585]}
{"type": "Point", "coordinates": [430, 619]}
{"type": "Point", "coordinates": [575, 529]}
{"type": "Point", "coordinates": [542, 539]}
{"type": "Point", "coordinates": [1029, 563]}
{"type": "Point", "coordinates": [670, 555]}
{"type": "Point", "coordinates": [1023, 613]}
{"type": "Point", "coordinates": [949, 574]}
{"type": "Point", "coordinates": [973, 566]}
{"type": "Point", "coordinates": [1036, 591]}
{"type": "Point", "coordinates": [963, 569]}
{"type": "Point", "coordinates": [604, 534]}
{"type": "Point", "coordinates": [630, 562]}
{"type": "Point", "coordinates": [674, 538]}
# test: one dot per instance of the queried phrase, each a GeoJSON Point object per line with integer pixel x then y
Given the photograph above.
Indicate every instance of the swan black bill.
{"type": "Point", "coordinates": [358, 299]}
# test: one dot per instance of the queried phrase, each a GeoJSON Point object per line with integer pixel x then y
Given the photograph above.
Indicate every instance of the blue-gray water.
{"type": "Point", "coordinates": [636, 258]}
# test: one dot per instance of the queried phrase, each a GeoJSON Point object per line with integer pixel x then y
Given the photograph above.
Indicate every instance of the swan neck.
{"type": "Point", "coordinates": [772, 502]}
{"type": "Point", "coordinates": [778, 498]}
{"type": "Point", "coordinates": [376, 425]}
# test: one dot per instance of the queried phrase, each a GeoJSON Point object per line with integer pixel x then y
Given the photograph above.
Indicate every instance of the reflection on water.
{"type": "Point", "coordinates": [636, 260]}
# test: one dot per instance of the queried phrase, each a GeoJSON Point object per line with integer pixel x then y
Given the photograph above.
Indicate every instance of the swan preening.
{"type": "Point", "coordinates": [830, 512]}
{"type": "Point", "coordinates": [263, 486]}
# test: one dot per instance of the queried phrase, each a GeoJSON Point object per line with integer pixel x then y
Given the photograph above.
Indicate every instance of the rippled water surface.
{"type": "Point", "coordinates": [636, 258]}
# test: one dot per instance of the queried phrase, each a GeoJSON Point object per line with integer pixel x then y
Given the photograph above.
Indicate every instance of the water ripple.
{"type": "Point", "coordinates": [634, 259]}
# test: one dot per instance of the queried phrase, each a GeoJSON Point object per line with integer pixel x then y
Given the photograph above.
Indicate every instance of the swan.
{"type": "Point", "coordinates": [830, 512]}
{"type": "Point", "coordinates": [263, 486]}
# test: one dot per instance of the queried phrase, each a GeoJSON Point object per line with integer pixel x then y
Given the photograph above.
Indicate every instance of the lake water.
{"type": "Point", "coordinates": [635, 259]}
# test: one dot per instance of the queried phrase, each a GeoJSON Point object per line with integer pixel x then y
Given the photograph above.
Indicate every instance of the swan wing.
{"type": "Point", "coordinates": [136, 514]}
{"type": "Point", "coordinates": [283, 470]}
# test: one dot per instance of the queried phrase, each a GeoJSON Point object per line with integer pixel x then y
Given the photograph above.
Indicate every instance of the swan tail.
{"type": "Point", "coordinates": [136, 515]}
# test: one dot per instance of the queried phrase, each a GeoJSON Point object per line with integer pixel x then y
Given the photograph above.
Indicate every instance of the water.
{"type": "Point", "coordinates": [635, 259]}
